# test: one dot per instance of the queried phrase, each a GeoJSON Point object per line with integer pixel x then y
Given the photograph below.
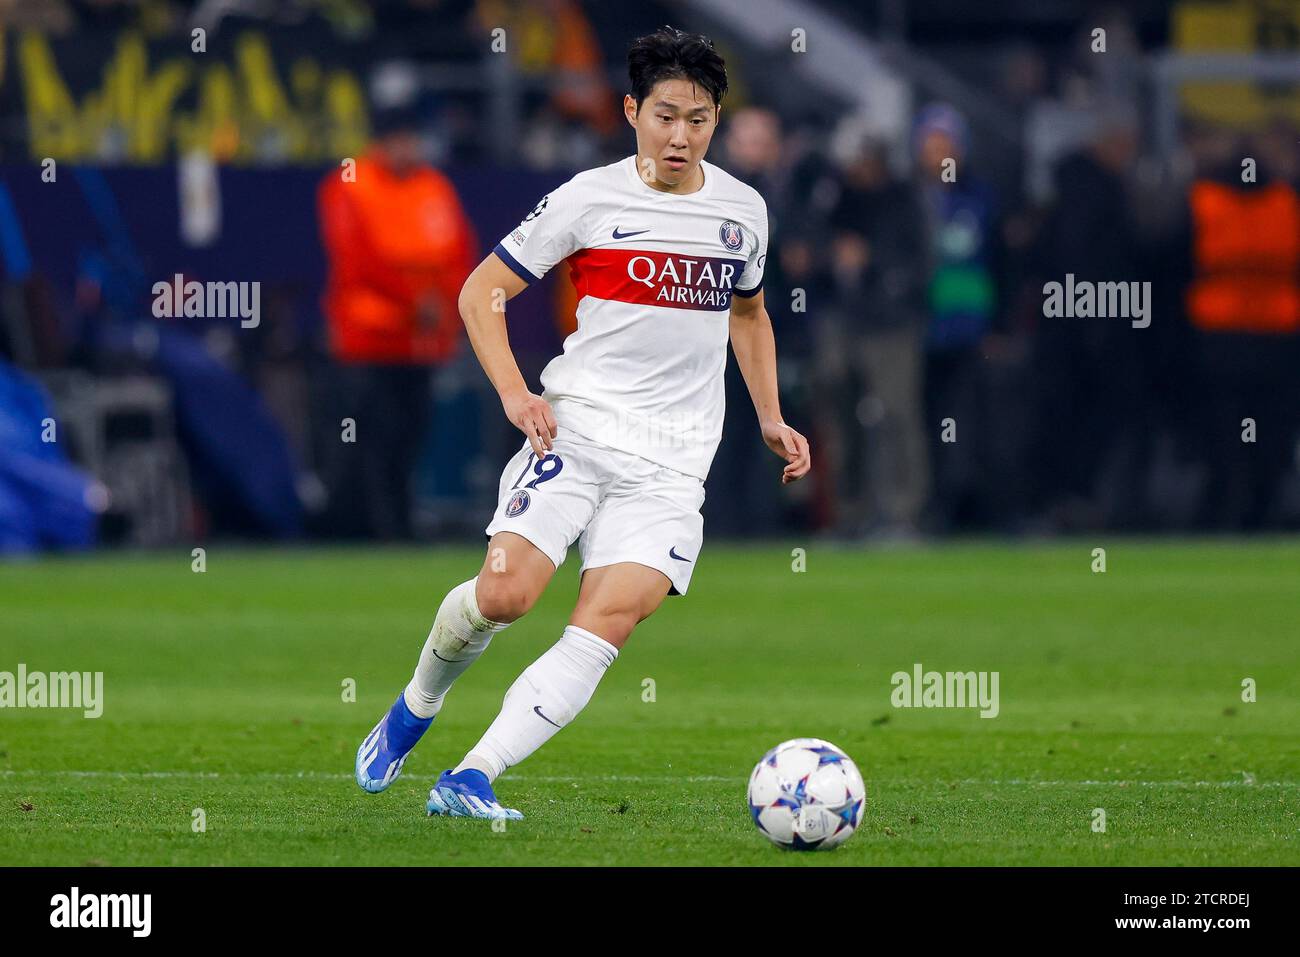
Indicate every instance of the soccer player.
{"type": "Point", "coordinates": [667, 255]}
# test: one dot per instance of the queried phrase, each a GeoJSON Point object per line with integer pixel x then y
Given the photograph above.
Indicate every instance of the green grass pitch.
{"type": "Point", "coordinates": [223, 691]}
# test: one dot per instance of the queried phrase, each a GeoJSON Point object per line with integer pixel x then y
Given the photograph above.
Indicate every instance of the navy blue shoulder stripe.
{"type": "Point", "coordinates": [515, 265]}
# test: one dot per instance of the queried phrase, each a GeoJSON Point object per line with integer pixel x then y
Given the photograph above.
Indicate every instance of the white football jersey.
{"type": "Point", "coordinates": [654, 274]}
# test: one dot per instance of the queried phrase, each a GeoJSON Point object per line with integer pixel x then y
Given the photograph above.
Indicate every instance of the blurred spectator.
{"type": "Point", "coordinates": [553, 41]}
{"type": "Point", "coordinates": [798, 294]}
{"type": "Point", "coordinates": [963, 229]}
{"type": "Point", "coordinates": [1243, 302]}
{"type": "Point", "coordinates": [399, 248]}
{"type": "Point", "coordinates": [1104, 61]}
{"type": "Point", "coordinates": [872, 353]}
{"type": "Point", "coordinates": [1091, 388]}
{"type": "Point", "coordinates": [751, 150]}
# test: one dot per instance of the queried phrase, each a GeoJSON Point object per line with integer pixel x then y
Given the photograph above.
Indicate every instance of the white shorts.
{"type": "Point", "coordinates": [617, 506]}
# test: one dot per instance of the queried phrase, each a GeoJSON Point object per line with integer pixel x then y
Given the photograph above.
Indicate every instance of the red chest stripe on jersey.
{"type": "Point", "coordinates": [655, 279]}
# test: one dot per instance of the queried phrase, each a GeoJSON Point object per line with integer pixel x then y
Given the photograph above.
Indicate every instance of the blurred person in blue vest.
{"type": "Point", "coordinates": [962, 214]}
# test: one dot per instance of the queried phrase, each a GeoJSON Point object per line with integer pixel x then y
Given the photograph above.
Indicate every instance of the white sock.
{"type": "Point", "coordinates": [545, 698]}
{"type": "Point", "coordinates": [458, 637]}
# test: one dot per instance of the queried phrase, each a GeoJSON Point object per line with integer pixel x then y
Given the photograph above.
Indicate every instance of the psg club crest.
{"type": "Point", "coordinates": [518, 503]}
{"type": "Point", "coordinates": [732, 235]}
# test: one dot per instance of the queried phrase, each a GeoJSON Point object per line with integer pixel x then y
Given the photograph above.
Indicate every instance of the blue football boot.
{"type": "Point", "coordinates": [468, 794]}
{"type": "Point", "coordinates": [382, 754]}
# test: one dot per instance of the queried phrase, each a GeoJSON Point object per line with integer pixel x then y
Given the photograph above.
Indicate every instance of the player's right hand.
{"type": "Point", "coordinates": [532, 415]}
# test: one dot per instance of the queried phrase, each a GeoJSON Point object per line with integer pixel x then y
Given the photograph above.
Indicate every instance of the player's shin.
{"type": "Point", "coordinates": [459, 635]}
{"type": "Point", "coordinates": [545, 698]}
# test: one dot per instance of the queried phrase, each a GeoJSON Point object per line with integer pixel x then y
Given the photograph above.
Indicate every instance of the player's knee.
{"type": "Point", "coordinates": [504, 597]}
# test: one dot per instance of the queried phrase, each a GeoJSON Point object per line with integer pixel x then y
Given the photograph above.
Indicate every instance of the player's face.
{"type": "Point", "coordinates": [673, 129]}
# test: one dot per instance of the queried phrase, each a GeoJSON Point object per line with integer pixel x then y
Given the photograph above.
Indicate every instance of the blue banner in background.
{"type": "Point", "coordinates": [117, 231]}
{"type": "Point", "coordinates": [269, 231]}
{"type": "Point", "coordinates": [45, 502]}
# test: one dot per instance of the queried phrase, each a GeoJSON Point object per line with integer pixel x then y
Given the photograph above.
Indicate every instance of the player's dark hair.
{"type": "Point", "coordinates": [670, 54]}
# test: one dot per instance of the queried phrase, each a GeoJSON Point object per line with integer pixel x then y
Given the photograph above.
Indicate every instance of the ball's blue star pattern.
{"type": "Point", "coordinates": [827, 755]}
{"type": "Point", "coordinates": [799, 844]}
{"type": "Point", "coordinates": [849, 815]}
{"type": "Point", "coordinates": [785, 800]}
{"type": "Point", "coordinates": [801, 790]}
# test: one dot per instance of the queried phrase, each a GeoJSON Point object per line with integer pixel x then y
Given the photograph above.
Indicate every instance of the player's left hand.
{"type": "Point", "coordinates": [791, 446]}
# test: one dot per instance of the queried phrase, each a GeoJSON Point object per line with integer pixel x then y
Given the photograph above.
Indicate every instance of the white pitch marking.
{"type": "Point", "coordinates": [646, 778]}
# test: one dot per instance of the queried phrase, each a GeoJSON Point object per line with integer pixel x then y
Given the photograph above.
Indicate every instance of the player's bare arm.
{"type": "Point", "coordinates": [482, 307]}
{"type": "Point", "coordinates": [755, 349]}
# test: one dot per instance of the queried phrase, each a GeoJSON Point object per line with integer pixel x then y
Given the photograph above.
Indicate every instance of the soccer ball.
{"type": "Point", "coordinates": [806, 794]}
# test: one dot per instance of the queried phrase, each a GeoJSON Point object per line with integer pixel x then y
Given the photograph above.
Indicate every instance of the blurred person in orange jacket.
{"type": "Point", "coordinates": [399, 248]}
{"type": "Point", "coordinates": [1242, 301]}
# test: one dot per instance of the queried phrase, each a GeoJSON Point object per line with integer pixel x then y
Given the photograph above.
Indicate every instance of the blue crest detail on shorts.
{"type": "Point", "coordinates": [518, 503]}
